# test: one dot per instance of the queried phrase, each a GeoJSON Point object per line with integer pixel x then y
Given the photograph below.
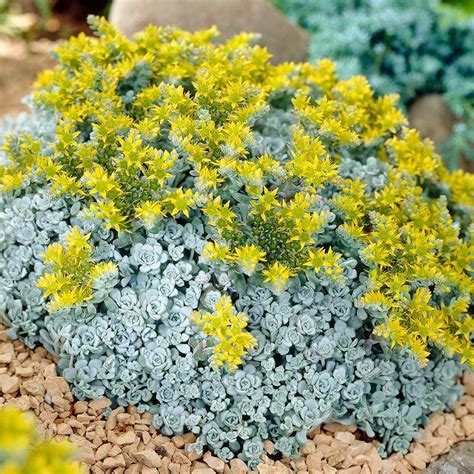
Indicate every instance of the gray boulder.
{"type": "Point", "coordinates": [459, 460]}
{"type": "Point", "coordinates": [284, 40]}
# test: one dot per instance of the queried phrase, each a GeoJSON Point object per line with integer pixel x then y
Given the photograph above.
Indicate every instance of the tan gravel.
{"type": "Point", "coordinates": [125, 442]}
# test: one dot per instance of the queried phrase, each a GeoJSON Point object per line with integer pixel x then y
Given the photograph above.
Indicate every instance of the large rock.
{"type": "Point", "coordinates": [285, 41]}
{"type": "Point", "coordinates": [432, 117]}
{"type": "Point", "coordinates": [459, 460]}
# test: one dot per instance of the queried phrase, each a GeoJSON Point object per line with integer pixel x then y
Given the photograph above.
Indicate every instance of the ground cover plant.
{"type": "Point", "coordinates": [408, 48]}
{"type": "Point", "coordinates": [246, 250]}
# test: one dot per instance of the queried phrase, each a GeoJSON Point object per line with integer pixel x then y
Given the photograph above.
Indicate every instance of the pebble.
{"type": "Point", "coordinates": [99, 404]}
{"type": "Point", "coordinates": [148, 457]}
{"type": "Point", "coordinates": [126, 438]}
{"type": "Point", "coordinates": [9, 384]}
{"type": "Point", "coordinates": [118, 461]}
{"type": "Point", "coordinates": [215, 463]}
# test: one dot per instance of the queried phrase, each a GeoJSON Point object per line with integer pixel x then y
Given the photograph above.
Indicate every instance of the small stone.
{"type": "Point", "coordinates": [56, 385]}
{"type": "Point", "coordinates": [322, 439]}
{"type": "Point", "coordinates": [22, 403]}
{"type": "Point", "coordinates": [204, 471]}
{"type": "Point", "coordinates": [80, 407]}
{"type": "Point", "coordinates": [467, 423]}
{"type": "Point", "coordinates": [375, 461]}
{"type": "Point", "coordinates": [438, 446]}
{"type": "Point", "coordinates": [24, 372]}
{"type": "Point", "coordinates": [237, 466]}
{"type": "Point", "coordinates": [327, 469]}
{"type": "Point", "coordinates": [9, 384]}
{"type": "Point", "coordinates": [415, 461]}
{"type": "Point", "coordinates": [150, 470]}
{"type": "Point", "coordinates": [178, 441]}
{"type": "Point", "coordinates": [173, 468]}
{"type": "Point", "coordinates": [64, 429]}
{"type": "Point", "coordinates": [350, 470]}
{"type": "Point", "coordinates": [180, 458]}
{"type": "Point", "coordinates": [447, 432]}
{"type": "Point", "coordinates": [134, 469]}
{"type": "Point", "coordinates": [115, 451]}
{"type": "Point", "coordinates": [111, 422]}
{"type": "Point", "coordinates": [460, 411]}
{"type": "Point", "coordinates": [215, 463]}
{"type": "Point", "coordinates": [336, 427]}
{"type": "Point", "coordinates": [313, 462]}
{"type": "Point", "coordinates": [6, 358]}
{"type": "Point", "coordinates": [468, 382]}
{"type": "Point", "coordinates": [102, 451]}
{"type": "Point", "coordinates": [189, 437]}
{"type": "Point", "coordinates": [110, 463]}
{"type": "Point", "coordinates": [269, 447]}
{"type": "Point", "coordinates": [308, 448]}
{"type": "Point", "coordinates": [87, 455]}
{"type": "Point", "coordinates": [345, 436]}
{"type": "Point", "coordinates": [148, 457]}
{"type": "Point", "coordinates": [100, 404]}
{"type": "Point", "coordinates": [337, 458]}
{"type": "Point", "coordinates": [126, 438]}
{"type": "Point", "coordinates": [359, 447]}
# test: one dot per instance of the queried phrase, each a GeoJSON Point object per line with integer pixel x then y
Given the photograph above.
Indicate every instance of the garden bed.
{"type": "Point", "coordinates": [125, 441]}
{"type": "Point", "coordinates": [248, 265]}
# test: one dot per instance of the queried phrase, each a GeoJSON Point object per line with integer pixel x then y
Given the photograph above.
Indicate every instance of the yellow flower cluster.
{"type": "Point", "coordinates": [74, 273]}
{"type": "Point", "coordinates": [22, 452]}
{"type": "Point", "coordinates": [228, 328]}
{"type": "Point", "coordinates": [412, 240]}
{"type": "Point", "coordinates": [161, 125]}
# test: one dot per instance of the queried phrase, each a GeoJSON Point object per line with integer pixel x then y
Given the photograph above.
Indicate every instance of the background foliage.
{"type": "Point", "coordinates": [410, 48]}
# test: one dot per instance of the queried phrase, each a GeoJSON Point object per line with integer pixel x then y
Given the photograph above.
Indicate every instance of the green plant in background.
{"type": "Point", "coordinates": [466, 7]}
{"type": "Point", "coordinates": [410, 48]}
{"type": "Point", "coordinates": [23, 452]}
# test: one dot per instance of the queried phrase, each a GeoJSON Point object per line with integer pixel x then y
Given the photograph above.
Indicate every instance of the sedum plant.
{"type": "Point", "coordinates": [22, 451]}
{"type": "Point", "coordinates": [245, 250]}
{"type": "Point", "coordinates": [408, 48]}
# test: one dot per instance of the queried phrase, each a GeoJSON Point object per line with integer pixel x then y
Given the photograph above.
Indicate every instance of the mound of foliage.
{"type": "Point", "coordinates": [23, 452]}
{"type": "Point", "coordinates": [408, 48]}
{"type": "Point", "coordinates": [245, 250]}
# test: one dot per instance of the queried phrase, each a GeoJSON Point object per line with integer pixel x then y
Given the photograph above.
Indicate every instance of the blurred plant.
{"type": "Point", "coordinates": [13, 22]}
{"type": "Point", "coordinates": [23, 452]}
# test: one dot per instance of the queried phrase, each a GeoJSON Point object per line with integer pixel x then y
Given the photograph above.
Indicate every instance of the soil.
{"type": "Point", "coordinates": [20, 64]}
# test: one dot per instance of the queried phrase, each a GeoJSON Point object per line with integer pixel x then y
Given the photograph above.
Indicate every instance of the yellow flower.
{"type": "Point", "coordinates": [73, 273]}
{"type": "Point", "coordinates": [228, 328]}
{"type": "Point", "coordinates": [248, 257]}
{"type": "Point", "coordinates": [278, 275]}
{"type": "Point", "coordinates": [216, 252]}
{"type": "Point", "coordinates": [220, 215]}
{"type": "Point", "coordinates": [180, 201]}
{"type": "Point", "coordinates": [149, 212]}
